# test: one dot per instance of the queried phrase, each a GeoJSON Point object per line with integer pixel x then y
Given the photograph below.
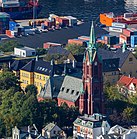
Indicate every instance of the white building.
{"type": "Point", "coordinates": [90, 126]}
{"type": "Point", "coordinates": [118, 132]}
{"type": "Point", "coordinates": [53, 131]}
{"type": "Point", "coordinates": [24, 52]}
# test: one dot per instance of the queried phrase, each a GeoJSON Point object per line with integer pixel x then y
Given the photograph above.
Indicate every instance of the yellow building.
{"type": "Point", "coordinates": [37, 72]}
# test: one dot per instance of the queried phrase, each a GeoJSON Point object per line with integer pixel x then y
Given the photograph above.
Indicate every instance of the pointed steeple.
{"type": "Point", "coordinates": [92, 40]}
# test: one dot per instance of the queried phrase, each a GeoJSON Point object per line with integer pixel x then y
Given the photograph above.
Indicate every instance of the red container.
{"type": "Point", "coordinates": [117, 46]}
{"type": "Point", "coordinates": [50, 44]}
{"type": "Point", "coordinates": [127, 32]}
{"type": "Point", "coordinates": [76, 41]}
{"type": "Point", "coordinates": [62, 21]}
{"type": "Point", "coordinates": [85, 38]}
{"type": "Point", "coordinates": [49, 24]}
{"type": "Point", "coordinates": [123, 38]}
{"type": "Point", "coordinates": [8, 32]}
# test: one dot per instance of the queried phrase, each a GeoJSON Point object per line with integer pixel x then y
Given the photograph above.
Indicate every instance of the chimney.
{"type": "Point", "coordinates": [73, 64]}
{"type": "Point", "coordinates": [9, 65]}
{"type": "Point", "coordinates": [37, 58]}
{"type": "Point", "coordinates": [28, 129]}
{"type": "Point", "coordinates": [52, 62]}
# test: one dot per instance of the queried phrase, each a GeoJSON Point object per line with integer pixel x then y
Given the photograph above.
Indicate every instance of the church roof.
{"type": "Point", "coordinates": [52, 87]}
{"type": "Point", "coordinates": [70, 89]}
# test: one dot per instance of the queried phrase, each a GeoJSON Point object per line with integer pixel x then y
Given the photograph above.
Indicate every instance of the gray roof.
{"type": "Point", "coordinates": [52, 87]}
{"type": "Point", "coordinates": [91, 121]}
{"type": "Point", "coordinates": [70, 89]}
{"type": "Point", "coordinates": [49, 127]}
{"type": "Point", "coordinates": [107, 54]}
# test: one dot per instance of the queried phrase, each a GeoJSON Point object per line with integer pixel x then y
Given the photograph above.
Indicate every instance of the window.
{"type": "Point", "coordinates": [77, 93]}
{"type": "Point", "coordinates": [72, 91]}
{"type": "Point", "coordinates": [39, 77]}
{"type": "Point", "coordinates": [130, 59]}
{"type": "Point", "coordinates": [62, 89]}
{"type": "Point", "coordinates": [67, 90]}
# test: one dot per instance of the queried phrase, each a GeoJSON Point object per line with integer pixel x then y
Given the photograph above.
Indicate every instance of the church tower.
{"type": "Point", "coordinates": [91, 98]}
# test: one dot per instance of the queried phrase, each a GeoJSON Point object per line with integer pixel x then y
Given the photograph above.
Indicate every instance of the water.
{"type": "Point", "coordinates": [87, 9]}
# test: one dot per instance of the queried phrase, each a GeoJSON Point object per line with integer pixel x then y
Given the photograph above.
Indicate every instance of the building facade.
{"type": "Point", "coordinates": [90, 126]}
{"type": "Point", "coordinates": [91, 98]}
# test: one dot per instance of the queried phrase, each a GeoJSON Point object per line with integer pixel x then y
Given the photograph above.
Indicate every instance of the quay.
{"type": "Point", "coordinates": [59, 36]}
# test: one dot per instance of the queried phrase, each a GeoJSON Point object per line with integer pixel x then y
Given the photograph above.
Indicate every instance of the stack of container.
{"type": "Point", "coordinates": [117, 27]}
{"type": "Point", "coordinates": [134, 41]}
{"type": "Point", "coordinates": [86, 38]}
{"type": "Point", "coordinates": [126, 35]}
{"type": "Point", "coordinates": [49, 24]}
{"type": "Point", "coordinates": [62, 21]}
{"type": "Point", "coordinates": [4, 22]}
{"type": "Point", "coordinates": [78, 42]}
{"type": "Point", "coordinates": [72, 20]}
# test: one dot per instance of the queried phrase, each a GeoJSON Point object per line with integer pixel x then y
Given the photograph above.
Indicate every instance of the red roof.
{"type": "Point", "coordinates": [126, 81]}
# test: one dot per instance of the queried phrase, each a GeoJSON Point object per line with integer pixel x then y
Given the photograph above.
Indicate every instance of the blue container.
{"type": "Point", "coordinates": [133, 40]}
{"type": "Point", "coordinates": [12, 25]}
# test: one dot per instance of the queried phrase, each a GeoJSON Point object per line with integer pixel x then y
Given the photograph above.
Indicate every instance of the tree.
{"type": "Point", "coordinates": [8, 80]}
{"type": "Point", "coordinates": [75, 49]}
{"type": "Point", "coordinates": [31, 89]}
{"type": "Point", "coordinates": [29, 111]}
{"type": "Point", "coordinates": [8, 45]}
{"type": "Point", "coordinates": [129, 115]}
{"type": "Point", "coordinates": [41, 51]}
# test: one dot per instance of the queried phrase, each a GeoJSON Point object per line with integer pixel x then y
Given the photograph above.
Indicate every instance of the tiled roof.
{"type": "Point", "coordinates": [52, 87]}
{"type": "Point", "coordinates": [126, 81]}
{"type": "Point", "coordinates": [58, 50]}
{"type": "Point", "coordinates": [107, 54]}
{"type": "Point", "coordinates": [70, 89]}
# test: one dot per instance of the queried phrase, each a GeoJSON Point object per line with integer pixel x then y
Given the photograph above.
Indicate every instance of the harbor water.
{"type": "Point", "coordinates": [87, 9]}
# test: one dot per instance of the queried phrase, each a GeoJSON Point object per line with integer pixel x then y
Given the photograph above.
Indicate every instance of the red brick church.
{"type": "Point", "coordinates": [84, 92]}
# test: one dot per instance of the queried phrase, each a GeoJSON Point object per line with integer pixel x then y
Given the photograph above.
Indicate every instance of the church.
{"type": "Point", "coordinates": [83, 90]}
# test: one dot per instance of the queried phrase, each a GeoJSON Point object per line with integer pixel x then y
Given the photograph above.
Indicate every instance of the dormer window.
{"type": "Point", "coordinates": [67, 90]}
{"type": "Point", "coordinates": [62, 89]}
{"type": "Point", "coordinates": [72, 91]}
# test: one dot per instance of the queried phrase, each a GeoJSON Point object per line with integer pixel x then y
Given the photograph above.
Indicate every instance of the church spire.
{"type": "Point", "coordinates": [92, 40]}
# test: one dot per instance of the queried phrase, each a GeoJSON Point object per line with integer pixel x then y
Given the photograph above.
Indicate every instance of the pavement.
{"type": "Point", "coordinates": [59, 36]}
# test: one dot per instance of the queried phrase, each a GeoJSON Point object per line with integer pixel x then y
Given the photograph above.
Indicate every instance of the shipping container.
{"type": "Point", "coordinates": [12, 25]}
{"type": "Point", "coordinates": [86, 38]}
{"type": "Point", "coordinates": [133, 40]}
{"type": "Point", "coordinates": [130, 31]}
{"type": "Point", "coordinates": [62, 21]}
{"type": "Point", "coordinates": [50, 44]}
{"type": "Point", "coordinates": [119, 25]}
{"type": "Point", "coordinates": [115, 29]}
{"type": "Point", "coordinates": [77, 41]}
{"type": "Point", "coordinates": [72, 20]}
{"type": "Point", "coordinates": [123, 38]}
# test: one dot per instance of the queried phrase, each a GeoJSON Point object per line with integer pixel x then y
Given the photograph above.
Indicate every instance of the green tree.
{"type": "Point", "coordinates": [129, 115]}
{"type": "Point", "coordinates": [29, 111]}
{"type": "Point", "coordinates": [8, 80]}
{"type": "Point", "coordinates": [8, 45]}
{"type": "Point", "coordinates": [76, 49]}
{"type": "Point", "coordinates": [31, 89]}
